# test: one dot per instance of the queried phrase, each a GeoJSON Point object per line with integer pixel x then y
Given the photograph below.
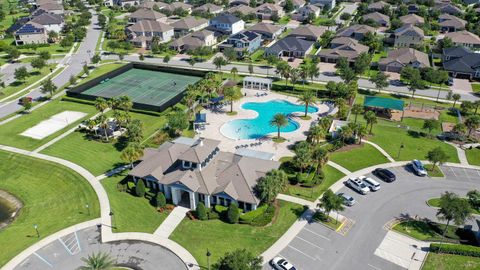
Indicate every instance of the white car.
{"type": "Point", "coordinates": [280, 263]}
{"type": "Point", "coordinates": [371, 184]}
{"type": "Point", "coordinates": [418, 168]}
{"type": "Point", "coordinates": [357, 185]}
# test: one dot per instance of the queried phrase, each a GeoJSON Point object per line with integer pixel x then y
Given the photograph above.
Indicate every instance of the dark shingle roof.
{"type": "Point", "coordinates": [226, 18]}
{"type": "Point", "coordinates": [291, 44]}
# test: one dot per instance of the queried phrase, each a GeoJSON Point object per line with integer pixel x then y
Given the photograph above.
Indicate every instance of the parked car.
{"type": "Point", "coordinates": [347, 199]}
{"type": "Point", "coordinates": [280, 263]}
{"type": "Point", "coordinates": [418, 168]}
{"type": "Point", "coordinates": [371, 184]}
{"type": "Point", "coordinates": [357, 185]}
{"type": "Point", "coordinates": [20, 101]}
{"type": "Point", "coordinates": [450, 81]}
{"type": "Point", "coordinates": [385, 175]}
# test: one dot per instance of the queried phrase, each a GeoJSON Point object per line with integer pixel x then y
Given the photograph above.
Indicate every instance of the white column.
{"type": "Point", "coordinates": [244, 207]}
{"type": "Point", "coordinates": [193, 203]}
{"type": "Point", "coordinates": [174, 196]}
{"type": "Point", "coordinates": [254, 206]}
{"type": "Point", "coordinates": [207, 201]}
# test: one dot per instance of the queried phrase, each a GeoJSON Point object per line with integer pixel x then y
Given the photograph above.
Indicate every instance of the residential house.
{"type": "Point", "coordinates": [193, 41]}
{"type": "Point", "coordinates": [209, 8]}
{"type": "Point", "coordinates": [356, 31]}
{"type": "Point", "coordinates": [189, 171]}
{"type": "Point", "coordinates": [227, 24]}
{"type": "Point", "coordinates": [464, 38]}
{"type": "Point", "coordinates": [402, 57]}
{"type": "Point", "coordinates": [303, 13]}
{"type": "Point", "coordinates": [144, 14]}
{"type": "Point", "coordinates": [51, 7]}
{"type": "Point", "coordinates": [290, 47]}
{"type": "Point", "coordinates": [413, 19]}
{"type": "Point", "coordinates": [234, 3]}
{"type": "Point", "coordinates": [412, 9]}
{"type": "Point", "coordinates": [50, 21]}
{"type": "Point", "coordinates": [450, 9]}
{"type": "Point", "coordinates": [31, 33]}
{"type": "Point", "coordinates": [188, 25]}
{"type": "Point", "coordinates": [342, 47]}
{"type": "Point", "coordinates": [143, 33]}
{"type": "Point", "coordinates": [244, 42]}
{"type": "Point", "coordinates": [267, 30]}
{"type": "Point", "coordinates": [179, 5]}
{"type": "Point", "coordinates": [267, 11]}
{"type": "Point", "coordinates": [377, 6]}
{"type": "Point", "coordinates": [308, 32]}
{"type": "Point", "coordinates": [327, 4]}
{"type": "Point", "coordinates": [461, 62]}
{"type": "Point", "coordinates": [126, 3]}
{"type": "Point", "coordinates": [153, 5]}
{"type": "Point", "coordinates": [407, 36]}
{"type": "Point", "coordinates": [241, 10]}
{"type": "Point", "coordinates": [377, 17]}
{"type": "Point", "coordinates": [297, 4]}
{"type": "Point", "coordinates": [450, 23]}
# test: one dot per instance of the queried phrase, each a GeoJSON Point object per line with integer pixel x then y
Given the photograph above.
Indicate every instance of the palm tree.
{"type": "Point", "coordinates": [294, 75]}
{"type": "Point", "coordinates": [114, 103]}
{"type": "Point", "coordinates": [315, 133]}
{"type": "Point", "coordinates": [361, 132]}
{"type": "Point", "coordinates": [91, 123]}
{"type": "Point", "coordinates": [357, 109]}
{"type": "Point", "coordinates": [303, 74]}
{"type": "Point", "coordinates": [132, 153]}
{"type": "Point", "coordinates": [455, 97]}
{"type": "Point", "coordinates": [102, 121]}
{"type": "Point", "coordinates": [345, 132]}
{"type": "Point", "coordinates": [232, 94]}
{"type": "Point", "coordinates": [371, 119]}
{"type": "Point", "coordinates": [219, 62]}
{"type": "Point", "coordinates": [320, 155]}
{"type": "Point", "coordinates": [313, 70]}
{"type": "Point", "coordinates": [234, 72]}
{"type": "Point", "coordinates": [279, 120]}
{"type": "Point", "coordinates": [271, 60]}
{"type": "Point", "coordinates": [98, 261]}
{"type": "Point", "coordinates": [307, 98]}
{"type": "Point", "coordinates": [125, 103]}
{"type": "Point", "coordinates": [472, 122]}
{"type": "Point", "coordinates": [101, 104]}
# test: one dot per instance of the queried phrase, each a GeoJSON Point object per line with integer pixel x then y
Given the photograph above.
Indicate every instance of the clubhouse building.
{"type": "Point", "coordinates": [189, 171]}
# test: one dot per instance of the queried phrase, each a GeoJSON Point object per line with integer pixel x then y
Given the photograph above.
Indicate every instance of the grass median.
{"type": "Point", "coordinates": [356, 157]}
{"type": "Point", "coordinates": [436, 261]}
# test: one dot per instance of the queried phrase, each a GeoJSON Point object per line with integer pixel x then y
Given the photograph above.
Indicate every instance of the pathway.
{"type": "Point", "coordinates": [381, 150]}
{"type": "Point", "coordinates": [461, 154]}
{"type": "Point", "coordinates": [339, 167]}
{"type": "Point", "coordinates": [171, 222]}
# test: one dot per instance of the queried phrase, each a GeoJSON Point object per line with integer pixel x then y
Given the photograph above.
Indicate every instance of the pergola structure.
{"type": "Point", "coordinates": [257, 83]}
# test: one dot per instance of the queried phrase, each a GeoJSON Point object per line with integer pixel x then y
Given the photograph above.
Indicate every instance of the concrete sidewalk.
{"type": "Point", "coordinates": [171, 222]}
{"type": "Point", "coordinates": [381, 150]}
{"type": "Point", "coordinates": [339, 167]}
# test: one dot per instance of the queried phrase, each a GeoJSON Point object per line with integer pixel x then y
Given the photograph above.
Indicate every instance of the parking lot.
{"type": "Point", "coordinates": [366, 245]}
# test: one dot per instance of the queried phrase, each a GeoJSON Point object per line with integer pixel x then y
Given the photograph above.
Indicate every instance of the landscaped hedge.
{"type": "Point", "coordinates": [464, 250]}
{"type": "Point", "coordinates": [266, 218]}
{"type": "Point", "coordinates": [91, 102]}
{"type": "Point", "coordinates": [248, 217]}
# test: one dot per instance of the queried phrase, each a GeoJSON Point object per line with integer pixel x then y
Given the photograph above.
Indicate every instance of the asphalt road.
{"type": "Point", "coordinates": [67, 252]}
{"type": "Point", "coordinates": [74, 65]}
{"type": "Point", "coordinates": [317, 247]}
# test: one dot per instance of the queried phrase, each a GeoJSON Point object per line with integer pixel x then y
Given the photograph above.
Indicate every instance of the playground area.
{"type": "Point", "coordinates": [415, 112]}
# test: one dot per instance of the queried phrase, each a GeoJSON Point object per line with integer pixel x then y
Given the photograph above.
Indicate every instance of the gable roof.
{"type": "Point", "coordinates": [463, 37]}
{"type": "Point", "coordinates": [406, 56]}
{"type": "Point", "coordinates": [208, 7]}
{"type": "Point", "coordinates": [376, 16]}
{"type": "Point", "coordinates": [409, 29]}
{"type": "Point", "coordinates": [351, 49]}
{"type": "Point", "coordinates": [150, 26]}
{"type": "Point", "coordinates": [146, 14]}
{"type": "Point", "coordinates": [200, 151]}
{"type": "Point", "coordinates": [377, 5]}
{"type": "Point", "coordinates": [226, 18]}
{"type": "Point", "coordinates": [188, 23]}
{"type": "Point", "coordinates": [447, 20]}
{"type": "Point", "coordinates": [291, 43]}
{"type": "Point", "coordinates": [153, 4]}
{"type": "Point", "coordinates": [242, 9]}
{"type": "Point", "coordinates": [461, 60]}
{"type": "Point", "coordinates": [412, 19]}
{"type": "Point", "coordinates": [246, 36]}
{"type": "Point", "coordinates": [263, 27]}
{"type": "Point", "coordinates": [48, 19]}
{"type": "Point", "coordinates": [308, 31]}
{"type": "Point", "coordinates": [30, 28]}
{"type": "Point", "coordinates": [269, 6]}
{"type": "Point", "coordinates": [355, 29]}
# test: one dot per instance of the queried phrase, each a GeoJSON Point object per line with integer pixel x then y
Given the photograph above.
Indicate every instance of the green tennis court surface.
{"type": "Point", "coordinates": [143, 86]}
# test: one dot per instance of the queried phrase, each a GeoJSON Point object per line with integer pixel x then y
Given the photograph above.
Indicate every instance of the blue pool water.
{"type": "Point", "coordinates": [260, 126]}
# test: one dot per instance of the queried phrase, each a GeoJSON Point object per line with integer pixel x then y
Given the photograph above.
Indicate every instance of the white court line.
{"type": "Point", "coordinates": [374, 267]}
{"type": "Point", "coordinates": [301, 252]}
{"type": "Point", "coordinates": [451, 169]}
{"type": "Point", "coordinates": [319, 235]}
{"type": "Point", "coordinates": [308, 242]}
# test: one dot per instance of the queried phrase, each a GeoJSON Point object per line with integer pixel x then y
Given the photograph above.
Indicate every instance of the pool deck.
{"type": "Point", "coordinates": [218, 118]}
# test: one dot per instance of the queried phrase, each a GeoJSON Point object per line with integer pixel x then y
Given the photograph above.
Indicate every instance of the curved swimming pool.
{"type": "Point", "coordinates": [260, 126]}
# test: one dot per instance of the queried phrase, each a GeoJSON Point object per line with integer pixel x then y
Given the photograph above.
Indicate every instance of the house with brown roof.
{"type": "Point", "coordinates": [403, 57]}
{"type": "Point", "coordinates": [51, 22]}
{"type": "Point", "coordinates": [193, 41]}
{"type": "Point", "coordinates": [377, 6]}
{"type": "Point", "coordinates": [305, 12]}
{"type": "Point", "coordinates": [449, 8]}
{"type": "Point", "coordinates": [464, 38]}
{"type": "Point", "coordinates": [241, 10]}
{"type": "Point", "coordinates": [377, 17]}
{"type": "Point", "coordinates": [356, 31]}
{"type": "Point", "coordinates": [144, 14]}
{"type": "Point", "coordinates": [188, 24]}
{"type": "Point", "coordinates": [268, 31]}
{"type": "Point", "coordinates": [267, 10]}
{"type": "Point", "coordinates": [413, 19]}
{"type": "Point", "coordinates": [407, 36]}
{"type": "Point", "coordinates": [179, 5]}
{"type": "Point", "coordinates": [297, 4]}
{"type": "Point", "coordinates": [308, 32]}
{"type": "Point", "coordinates": [342, 47]}
{"type": "Point", "coordinates": [450, 23]}
{"type": "Point", "coordinates": [209, 8]}
{"type": "Point", "coordinates": [143, 33]}
{"type": "Point", "coordinates": [153, 5]}
{"type": "Point", "coordinates": [189, 171]}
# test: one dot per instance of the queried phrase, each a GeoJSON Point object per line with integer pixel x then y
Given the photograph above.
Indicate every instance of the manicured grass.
{"type": "Point", "coordinates": [359, 157]}
{"type": "Point", "coordinates": [435, 202]}
{"type": "Point", "coordinates": [284, 20]}
{"type": "Point", "coordinates": [16, 86]}
{"type": "Point", "coordinates": [131, 213]}
{"type": "Point", "coordinates": [436, 261]}
{"type": "Point", "coordinates": [476, 87]}
{"type": "Point", "coordinates": [10, 132]}
{"type": "Point", "coordinates": [473, 156]}
{"type": "Point", "coordinates": [100, 70]}
{"type": "Point", "coordinates": [448, 116]}
{"type": "Point", "coordinates": [424, 231]}
{"type": "Point", "coordinates": [220, 237]}
{"type": "Point", "coordinates": [434, 171]}
{"type": "Point", "coordinates": [327, 221]}
{"type": "Point", "coordinates": [257, 55]}
{"type": "Point", "coordinates": [53, 196]}
{"type": "Point", "coordinates": [332, 175]}
{"type": "Point", "coordinates": [96, 156]}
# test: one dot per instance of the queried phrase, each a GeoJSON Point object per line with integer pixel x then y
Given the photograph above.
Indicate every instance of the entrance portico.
{"type": "Point", "coordinates": [184, 197]}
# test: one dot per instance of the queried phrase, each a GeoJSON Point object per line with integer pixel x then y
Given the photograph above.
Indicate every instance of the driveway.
{"type": "Point", "coordinates": [365, 245]}
{"type": "Point", "coordinates": [66, 253]}
{"type": "Point", "coordinates": [461, 85]}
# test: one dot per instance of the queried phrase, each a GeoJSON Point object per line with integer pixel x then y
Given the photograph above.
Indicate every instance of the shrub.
{"type": "Point", "coordinates": [160, 200]}
{"type": "Point", "coordinates": [212, 214]}
{"type": "Point", "coordinates": [233, 214]}
{"type": "Point", "coordinates": [320, 216]}
{"type": "Point", "coordinates": [140, 188]}
{"type": "Point", "coordinates": [266, 218]}
{"type": "Point", "coordinates": [220, 208]}
{"type": "Point", "coordinates": [201, 211]}
{"type": "Point", "coordinates": [247, 218]}
{"type": "Point", "coordinates": [464, 250]}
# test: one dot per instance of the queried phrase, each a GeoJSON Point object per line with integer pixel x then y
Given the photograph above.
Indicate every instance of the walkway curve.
{"type": "Point", "coordinates": [381, 150]}
{"type": "Point", "coordinates": [339, 167]}
{"type": "Point", "coordinates": [105, 220]}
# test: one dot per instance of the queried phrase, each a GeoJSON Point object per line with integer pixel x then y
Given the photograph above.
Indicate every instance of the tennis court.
{"type": "Point", "coordinates": [143, 86]}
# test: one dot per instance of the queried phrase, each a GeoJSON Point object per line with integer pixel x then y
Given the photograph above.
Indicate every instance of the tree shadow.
{"type": "Point", "coordinates": [121, 143]}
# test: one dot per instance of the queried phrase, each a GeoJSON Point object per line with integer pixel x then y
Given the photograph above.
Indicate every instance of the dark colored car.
{"type": "Point", "coordinates": [385, 175]}
{"type": "Point", "coordinates": [20, 101]}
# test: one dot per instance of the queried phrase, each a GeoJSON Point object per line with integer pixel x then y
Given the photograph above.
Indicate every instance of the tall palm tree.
{"type": "Point", "coordinates": [98, 261]}
{"type": "Point", "coordinates": [91, 123]}
{"type": "Point", "coordinates": [131, 153]}
{"type": "Point", "coordinates": [279, 120]}
{"type": "Point", "coordinates": [294, 76]}
{"type": "Point", "coordinates": [303, 74]}
{"type": "Point", "coordinates": [371, 119]}
{"type": "Point", "coordinates": [361, 132]}
{"type": "Point", "coordinates": [234, 72]}
{"type": "Point", "coordinates": [307, 98]}
{"type": "Point", "coordinates": [320, 155]}
{"type": "Point", "coordinates": [315, 133]}
{"type": "Point", "coordinates": [125, 103]}
{"type": "Point", "coordinates": [357, 109]}
{"type": "Point", "coordinates": [102, 121]}
{"type": "Point", "coordinates": [101, 104]}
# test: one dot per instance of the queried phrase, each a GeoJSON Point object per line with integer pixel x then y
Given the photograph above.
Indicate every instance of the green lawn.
{"type": "Point", "coordinates": [435, 202]}
{"type": "Point", "coordinates": [10, 132]}
{"type": "Point", "coordinates": [359, 157]}
{"type": "Point", "coordinates": [434, 171]}
{"type": "Point", "coordinates": [332, 175]}
{"type": "Point", "coordinates": [476, 87]}
{"type": "Point", "coordinates": [96, 156]}
{"type": "Point", "coordinates": [447, 116]}
{"type": "Point", "coordinates": [35, 76]}
{"type": "Point", "coordinates": [54, 197]}
{"type": "Point", "coordinates": [436, 261]}
{"type": "Point", "coordinates": [132, 214]}
{"type": "Point", "coordinates": [327, 221]}
{"type": "Point", "coordinates": [220, 237]}
{"type": "Point", "coordinates": [426, 232]}
{"type": "Point", "coordinates": [473, 156]}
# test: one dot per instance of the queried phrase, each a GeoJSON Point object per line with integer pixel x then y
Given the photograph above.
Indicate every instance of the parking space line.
{"type": "Point", "coordinates": [43, 259]}
{"type": "Point", "coordinates": [319, 235]}
{"type": "Point", "coordinates": [453, 171]}
{"type": "Point", "coordinates": [374, 267]}
{"type": "Point", "coordinates": [468, 176]}
{"type": "Point", "coordinates": [301, 252]}
{"type": "Point", "coordinates": [308, 242]}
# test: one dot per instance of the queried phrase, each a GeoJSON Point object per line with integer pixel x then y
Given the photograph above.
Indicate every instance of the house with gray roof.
{"type": "Point", "coordinates": [461, 62]}
{"type": "Point", "coordinates": [328, 4]}
{"type": "Point", "coordinates": [267, 10]}
{"type": "Point", "coordinates": [189, 171]}
{"type": "Point", "coordinates": [51, 21]}
{"type": "Point", "coordinates": [179, 5]}
{"type": "Point", "coordinates": [188, 24]}
{"type": "Point", "coordinates": [244, 42]}
{"type": "Point", "coordinates": [290, 46]}
{"type": "Point", "coordinates": [305, 12]}
{"type": "Point", "coordinates": [308, 32]}
{"type": "Point", "coordinates": [408, 36]}
{"type": "Point", "coordinates": [377, 17]}
{"type": "Point", "coordinates": [449, 8]}
{"type": "Point", "coordinates": [241, 10]}
{"type": "Point", "coordinates": [144, 14]}
{"type": "Point", "coordinates": [226, 24]}
{"type": "Point", "coordinates": [234, 3]}
{"type": "Point", "coordinates": [31, 33]}
{"type": "Point", "coordinates": [403, 57]}
{"type": "Point", "coordinates": [342, 47]}
{"type": "Point", "coordinates": [143, 33]}
{"type": "Point", "coordinates": [193, 41]}
{"type": "Point", "coordinates": [153, 5]}
{"type": "Point", "coordinates": [464, 38]}
{"type": "Point", "coordinates": [209, 8]}
{"type": "Point", "coordinates": [450, 23]}
{"type": "Point", "coordinates": [356, 31]}
{"type": "Point", "coordinates": [377, 6]}
{"type": "Point", "coordinates": [268, 31]}
{"type": "Point", "coordinates": [413, 19]}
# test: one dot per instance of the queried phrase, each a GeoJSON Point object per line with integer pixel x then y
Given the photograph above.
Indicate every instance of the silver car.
{"type": "Point", "coordinates": [347, 199]}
